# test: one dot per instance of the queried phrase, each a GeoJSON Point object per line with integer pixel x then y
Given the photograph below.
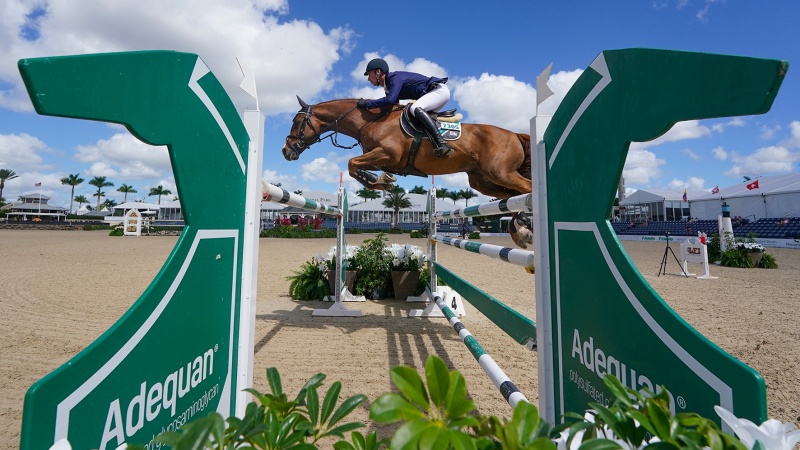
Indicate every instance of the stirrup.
{"type": "Point", "coordinates": [442, 151]}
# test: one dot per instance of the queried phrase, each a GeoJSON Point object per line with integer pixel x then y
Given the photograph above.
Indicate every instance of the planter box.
{"type": "Point", "coordinates": [404, 283]}
{"type": "Point", "coordinates": [350, 280]}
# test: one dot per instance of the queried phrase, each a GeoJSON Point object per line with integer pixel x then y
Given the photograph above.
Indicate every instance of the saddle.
{"type": "Point", "coordinates": [449, 124]}
{"type": "Point", "coordinates": [449, 127]}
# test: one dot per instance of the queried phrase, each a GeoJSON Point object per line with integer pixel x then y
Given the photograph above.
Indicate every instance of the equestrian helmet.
{"type": "Point", "coordinates": [377, 63]}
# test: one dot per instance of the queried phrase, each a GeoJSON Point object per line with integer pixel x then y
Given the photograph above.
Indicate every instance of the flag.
{"type": "Point", "coordinates": [685, 199]}
{"type": "Point", "coordinates": [715, 190]}
{"type": "Point", "coordinates": [753, 185]}
{"type": "Point", "coordinates": [38, 184]}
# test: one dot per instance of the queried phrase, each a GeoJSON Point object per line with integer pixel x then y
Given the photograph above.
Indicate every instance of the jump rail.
{"type": "Point", "coordinates": [517, 326]}
{"type": "Point", "coordinates": [488, 364]}
{"type": "Point", "coordinates": [275, 194]}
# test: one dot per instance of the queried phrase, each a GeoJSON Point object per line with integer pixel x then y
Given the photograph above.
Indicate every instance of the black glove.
{"type": "Point", "coordinates": [361, 104]}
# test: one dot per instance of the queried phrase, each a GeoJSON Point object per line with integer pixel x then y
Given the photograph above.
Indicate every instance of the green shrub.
{"type": "Point", "coordinates": [435, 411]}
{"type": "Point", "coordinates": [291, 232]}
{"type": "Point", "coordinates": [310, 283]}
{"type": "Point", "coordinates": [415, 234]}
{"type": "Point", "coordinates": [374, 264]}
{"type": "Point", "coordinates": [96, 227]}
{"type": "Point", "coordinates": [276, 422]}
{"type": "Point", "coordinates": [474, 235]}
{"type": "Point", "coordinates": [739, 250]}
{"type": "Point", "coordinates": [117, 232]}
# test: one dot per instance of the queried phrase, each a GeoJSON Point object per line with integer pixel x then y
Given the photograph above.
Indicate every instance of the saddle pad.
{"type": "Point", "coordinates": [450, 131]}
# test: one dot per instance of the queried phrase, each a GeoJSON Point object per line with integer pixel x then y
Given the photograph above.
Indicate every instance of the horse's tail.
{"type": "Point", "coordinates": [525, 168]}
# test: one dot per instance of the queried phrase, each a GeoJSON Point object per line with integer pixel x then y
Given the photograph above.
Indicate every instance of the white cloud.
{"type": "Point", "coordinates": [764, 161]}
{"type": "Point", "coordinates": [496, 100]}
{"type": "Point", "coordinates": [418, 65]}
{"type": "Point", "coordinates": [640, 166]}
{"type": "Point", "coordinates": [769, 132]}
{"type": "Point", "coordinates": [288, 58]}
{"type": "Point", "coordinates": [273, 177]}
{"type": "Point", "coordinates": [691, 183]}
{"type": "Point", "coordinates": [690, 129]}
{"type": "Point", "coordinates": [124, 156]}
{"type": "Point", "coordinates": [322, 169]}
{"type": "Point", "coordinates": [691, 154]}
{"type": "Point", "coordinates": [719, 153]}
{"type": "Point", "coordinates": [794, 141]}
{"type": "Point", "coordinates": [734, 122]}
{"type": "Point", "coordinates": [20, 152]}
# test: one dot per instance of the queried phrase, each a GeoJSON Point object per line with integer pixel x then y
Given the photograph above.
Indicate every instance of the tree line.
{"type": "Point", "coordinates": [74, 180]}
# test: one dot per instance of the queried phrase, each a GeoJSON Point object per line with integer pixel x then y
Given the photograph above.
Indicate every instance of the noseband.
{"type": "Point", "coordinates": [301, 144]}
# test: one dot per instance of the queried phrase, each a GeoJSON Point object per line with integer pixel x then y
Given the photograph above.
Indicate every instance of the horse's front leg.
{"type": "Point", "coordinates": [375, 159]}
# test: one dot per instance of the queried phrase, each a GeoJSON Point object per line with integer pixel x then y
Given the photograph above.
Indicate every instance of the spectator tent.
{"type": "Point", "coordinates": [656, 205]}
{"type": "Point", "coordinates": [775, 196]}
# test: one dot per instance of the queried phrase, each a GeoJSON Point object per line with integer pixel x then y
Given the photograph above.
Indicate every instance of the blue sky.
{"type": "Point", "coordinates": [492, 53]}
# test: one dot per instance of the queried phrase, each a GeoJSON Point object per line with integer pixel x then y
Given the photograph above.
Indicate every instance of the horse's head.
{"type": "Point", "coordinates": [306, 130]}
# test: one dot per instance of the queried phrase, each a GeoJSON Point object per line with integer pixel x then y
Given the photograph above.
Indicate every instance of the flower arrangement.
{"type": "Point", "coordinates": [406, 257]}
{"type": "Point", "coordinates": [328, 262]}
{"type": "Point", "coordinates": [750, 247]}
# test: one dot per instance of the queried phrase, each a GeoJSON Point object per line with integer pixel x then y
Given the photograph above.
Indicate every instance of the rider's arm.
{"type": "Point", "coordinates": [394, 84]}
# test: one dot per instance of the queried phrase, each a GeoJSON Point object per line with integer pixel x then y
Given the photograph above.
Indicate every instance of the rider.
{"type": "Point", "coordinates": [430, 93]}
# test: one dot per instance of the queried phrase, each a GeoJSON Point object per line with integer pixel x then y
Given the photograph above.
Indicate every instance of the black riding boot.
{"type": "Point", "coordinates": [440, 147]}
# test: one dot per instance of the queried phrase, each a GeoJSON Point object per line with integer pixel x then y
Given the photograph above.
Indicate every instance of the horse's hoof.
{"type": "Point", "coordinates": [516, 238]}
{"type": "Point", "coordinates": [386, 178]}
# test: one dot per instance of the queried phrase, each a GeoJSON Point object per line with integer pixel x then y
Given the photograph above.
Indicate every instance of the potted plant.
{"type": "Point", "coordinates": [329, 265]}
{"type": "Point", "coordinates": [373, 263]}
{"type": "Point", "coordinates": [754, 251]}
{"type": "Point", "coordinates": [309, 283]}
{"type": "Point", "coordinates": [407, 260]}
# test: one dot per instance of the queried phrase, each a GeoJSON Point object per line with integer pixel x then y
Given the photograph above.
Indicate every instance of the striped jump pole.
{"type": "Point", "coordinates": [275, 194]}
{"type": "Point", "coordinates": [497, 207]}
{"type": "Point", "coordinates": [518, 257]}
{"type": "Point", "coordinates": [488, 364]}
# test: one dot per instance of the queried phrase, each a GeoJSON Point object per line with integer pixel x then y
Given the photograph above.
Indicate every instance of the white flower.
{"type": "Point", "coordinates": [406, 257]}
{"type": "Point", "coordinates": [773, 434]}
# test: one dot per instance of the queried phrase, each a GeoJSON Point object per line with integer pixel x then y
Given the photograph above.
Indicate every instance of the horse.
{"type": "Point", "coordinates": [497, 161]}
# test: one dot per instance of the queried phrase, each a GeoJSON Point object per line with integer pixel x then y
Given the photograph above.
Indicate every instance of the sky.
{"type": "Point", "coordinates": [492, 53]}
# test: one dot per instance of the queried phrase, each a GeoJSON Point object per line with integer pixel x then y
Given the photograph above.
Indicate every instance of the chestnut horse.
{"type": "Point", "coordinates": [497, 161]}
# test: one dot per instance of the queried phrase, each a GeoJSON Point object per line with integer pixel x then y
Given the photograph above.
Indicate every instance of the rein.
{"type": "Point", "coordinates": [333, 127]}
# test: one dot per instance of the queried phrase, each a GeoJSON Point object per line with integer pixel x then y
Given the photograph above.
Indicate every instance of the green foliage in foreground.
{"type": "Point", "coordinates": [434, 411]}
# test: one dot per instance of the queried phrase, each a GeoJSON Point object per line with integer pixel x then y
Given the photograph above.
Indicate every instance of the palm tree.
{"type": "Point", "coordinates": [126, 190]}
{"type": "Point", "coordinates": [454, 195]}
{"type": "Point", "coordinates": [441, 193]}
{"type": "Point", "coordinates": [72, 180]}
{"type": "Point", "coordinates": [395, 198]}
{"type": "Point", "coordinates": [159, 191]}
{"type": "Point", "coordinates": [99, 183]}
{"type": "Point", "coordinates": [299, 192]}
{"type": "Point", "coordinates": [367, 194]}
{"type": "Point", "coordinates": [467, 194]}
{"type": "Point", "coordinates": [418, 190]}
{"type": "Point", "coordinates": [81, 199]}
{"type": "Point", "coordinates": [108, 204]}
{"type": "Point", "coordinates": [6, 174]}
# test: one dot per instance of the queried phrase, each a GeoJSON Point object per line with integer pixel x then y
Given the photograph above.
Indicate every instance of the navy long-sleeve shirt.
{"type": "Point", "coordinates": [403, 86]}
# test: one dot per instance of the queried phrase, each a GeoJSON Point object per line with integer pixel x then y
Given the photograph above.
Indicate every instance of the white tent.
{"type": "Point", "coordinates": [775, 196]}
{"type": "Point", "coordinates": [656, 204]}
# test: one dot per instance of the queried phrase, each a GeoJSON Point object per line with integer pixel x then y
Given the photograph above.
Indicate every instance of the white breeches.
{"type": "Point", "coordinates": [433, 100]}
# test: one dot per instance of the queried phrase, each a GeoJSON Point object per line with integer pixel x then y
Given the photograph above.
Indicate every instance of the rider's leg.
{"type": "Point", "coordinates": [432, 101]}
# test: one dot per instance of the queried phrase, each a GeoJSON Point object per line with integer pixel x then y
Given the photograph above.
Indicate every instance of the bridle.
{"type": "Point", "coordinates": [300, 141]}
